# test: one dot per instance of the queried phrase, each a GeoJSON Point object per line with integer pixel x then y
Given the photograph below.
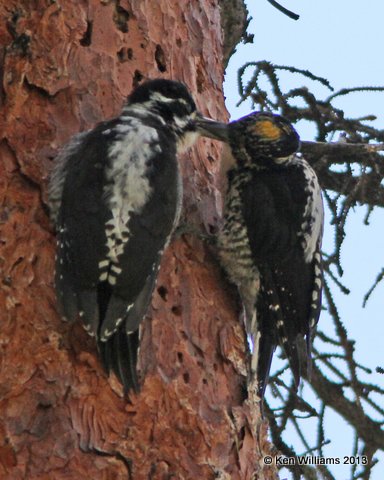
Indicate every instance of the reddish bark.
{"type": "Point", "coordinates": [65, 66]}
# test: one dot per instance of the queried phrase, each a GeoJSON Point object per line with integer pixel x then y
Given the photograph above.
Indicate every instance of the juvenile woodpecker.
{"type": "Point", "coordinates": [115, 195]}
{"type": "Point", "coordinates": [270, 241]}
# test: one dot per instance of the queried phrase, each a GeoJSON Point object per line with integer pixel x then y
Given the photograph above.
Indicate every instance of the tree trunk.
{"type": "Point", "coordinates": [65, 65]}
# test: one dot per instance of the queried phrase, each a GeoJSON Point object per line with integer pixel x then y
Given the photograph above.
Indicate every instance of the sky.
{"type": "Point", "coordinates": [342, 41]}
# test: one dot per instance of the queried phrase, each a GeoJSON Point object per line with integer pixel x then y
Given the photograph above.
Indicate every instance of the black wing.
{"type": "Point", "coordinates": [81, 233]}
{"type": "Point", "coordinates": [274, 206]}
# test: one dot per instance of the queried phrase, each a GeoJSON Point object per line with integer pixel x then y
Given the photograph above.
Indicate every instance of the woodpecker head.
{"type": "Point", "coordinates": [173, 104]}
{"type": "Point", "coordinates": [263, 138]}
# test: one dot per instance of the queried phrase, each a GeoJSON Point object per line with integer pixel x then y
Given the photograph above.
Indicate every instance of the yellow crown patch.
{"type": "Point", "coordinates": [267, 130]}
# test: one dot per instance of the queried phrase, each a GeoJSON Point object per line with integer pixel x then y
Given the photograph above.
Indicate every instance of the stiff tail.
{"type": "Point", "coordinates": [119, 334]}
{"type": "Point", "coordinates": [119, 355]}
{"type": "Point", "coordinates": [265, 353]}
{"type": "Point", "coordinates": [273, 331]}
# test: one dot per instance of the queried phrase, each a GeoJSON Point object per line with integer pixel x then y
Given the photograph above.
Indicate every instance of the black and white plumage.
{"type": "Point", "coordinates": [270, 241]}
{"type": "Point", "coordinates": [115, 196]}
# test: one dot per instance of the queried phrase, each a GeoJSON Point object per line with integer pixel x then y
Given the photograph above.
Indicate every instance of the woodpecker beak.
{"type": "Point", "coordinates": [212, 129]}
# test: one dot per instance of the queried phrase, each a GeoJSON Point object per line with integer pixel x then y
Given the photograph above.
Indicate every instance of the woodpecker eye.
{"type": "Point", "coordinates": [180, 108]}
{"type": "Point", "coordinates": [191, 109]}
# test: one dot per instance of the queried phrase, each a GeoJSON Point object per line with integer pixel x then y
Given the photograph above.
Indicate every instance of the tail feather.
{"type": "Point", "coordinates": [290, 348]}
{"type": "Point", "coordinates": [266, 349]}
{"type": "Point", "coordinates": [274, 330]}
{"type": "Point", "coordinates": [119, 332]}
{"type": "Point", "coordinates": [308, 341]}
{"type": "Point", "coordinates": [292, 354]}
{"type": "Point", "coordinates": [119, 355]}
{"type": "Point", "coordinates": [106, 354]}
{"type": "Point", "coordinates": [127, 350]}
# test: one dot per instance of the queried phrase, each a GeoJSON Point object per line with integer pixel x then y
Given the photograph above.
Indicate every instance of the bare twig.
{"type": "Point", "coordinates": [284, 10]}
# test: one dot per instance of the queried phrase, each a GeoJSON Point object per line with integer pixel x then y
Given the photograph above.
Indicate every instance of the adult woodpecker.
{"type": "Point", "coordinates": [115, 196]}
{"type": "Point", "coordinates": [270, 240]}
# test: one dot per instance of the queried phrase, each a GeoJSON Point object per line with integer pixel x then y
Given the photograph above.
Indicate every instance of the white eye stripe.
{"type": "Point", "coordinates": [157, 96]}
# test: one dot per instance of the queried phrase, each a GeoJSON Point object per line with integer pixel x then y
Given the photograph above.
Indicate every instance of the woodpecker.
{"type": "Point", "coordinates": [115, 196]}
{"type": "Point", "coordinates": [270, 241]}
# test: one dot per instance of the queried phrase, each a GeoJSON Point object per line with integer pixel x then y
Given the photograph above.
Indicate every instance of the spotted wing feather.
{"type": "Point", "coordinates": [80, 224]}
{"type": "Point", "coordinates": [275, 204]}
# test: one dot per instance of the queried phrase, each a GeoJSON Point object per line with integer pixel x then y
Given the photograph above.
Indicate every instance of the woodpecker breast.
{"type": "Point", "coordinates": [233, 244]}
{"type": "Point", "coordinates": [128, 186]}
